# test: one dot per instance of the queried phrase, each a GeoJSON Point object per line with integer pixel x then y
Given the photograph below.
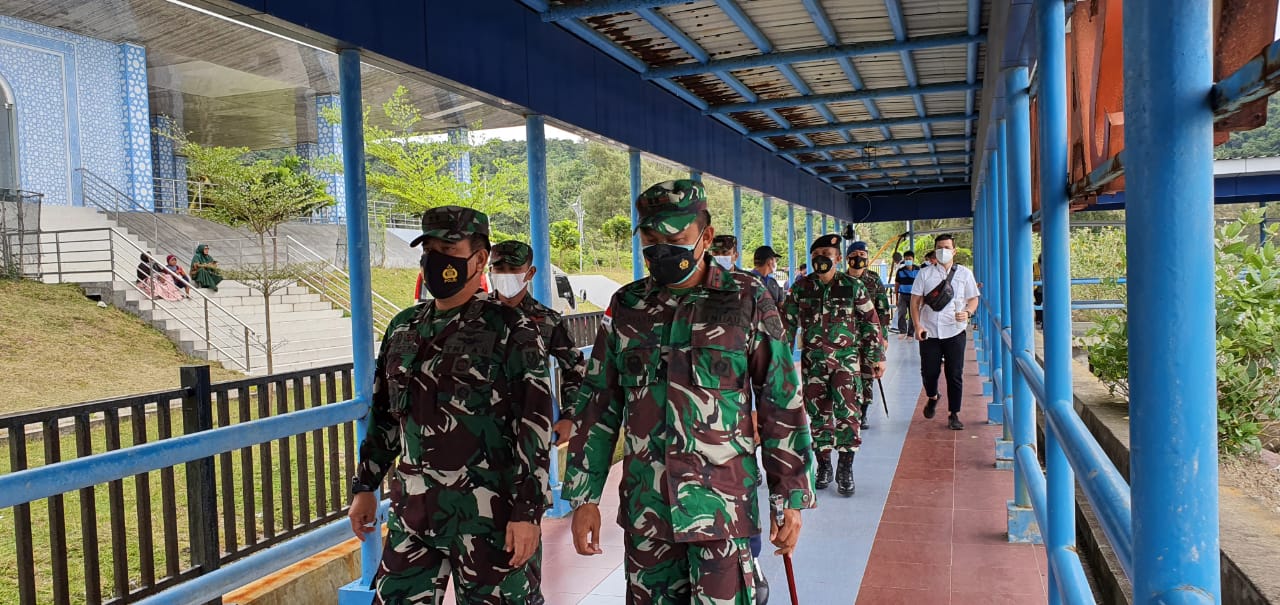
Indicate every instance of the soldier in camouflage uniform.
{"type": "Point", "coordinates": [672, 369]}
{"type": "Point", "coordinates": [512, 271]}
{"type": "Point", "coordinates": [857, 260]}
{"type": "Point", "coordinates": [838, 324]}
{"type": "Point", "coordinates": [462, 399]}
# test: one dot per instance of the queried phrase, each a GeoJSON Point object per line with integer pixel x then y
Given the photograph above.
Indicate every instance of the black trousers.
{"type": "Point", "coordinates": [944, 354]}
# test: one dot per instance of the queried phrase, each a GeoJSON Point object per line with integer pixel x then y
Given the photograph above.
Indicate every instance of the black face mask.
{"type": "Point", "coordinates": [671, 263]}
{"type": "Point", "coordinates": [857, 262]}
{"type": "Point", "coordinates": [821, 265]}
{"type": "Point", "coordinates": [445, 275]}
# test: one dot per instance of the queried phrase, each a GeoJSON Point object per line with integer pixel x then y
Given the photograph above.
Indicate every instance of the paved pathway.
{"type": "Point", "coordinates": [926, 526]}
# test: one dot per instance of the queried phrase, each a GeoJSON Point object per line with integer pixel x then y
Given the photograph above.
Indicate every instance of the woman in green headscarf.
{"type": "Point", "coordinates": [204, 270]}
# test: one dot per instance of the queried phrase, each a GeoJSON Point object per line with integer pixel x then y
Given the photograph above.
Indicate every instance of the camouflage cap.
{"type": "Point", "coordinates": [829, 240]}
{"type": "Point", "coordinates": [452, 224]}
{"type": "Point", "coordinates": [670, 207]}
{"type": "Point", "coordinates": [724, 243]}
{"type": "Point", "coordinates": [511, 253]}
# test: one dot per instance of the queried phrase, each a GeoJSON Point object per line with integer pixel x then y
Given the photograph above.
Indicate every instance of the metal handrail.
{"type": "Point", "coordinates": [248, 336]}
{"type": "Point", "coordinates": [157, 226]}
{"type": "Point", "coordinates": [384, 310]}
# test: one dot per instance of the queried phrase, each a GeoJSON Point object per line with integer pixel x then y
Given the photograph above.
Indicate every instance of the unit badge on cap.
{"type": "Point", "coordinates": [449, 274]}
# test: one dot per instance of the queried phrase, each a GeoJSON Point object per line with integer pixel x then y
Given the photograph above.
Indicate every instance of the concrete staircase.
{"type": "Point", "coordinates": [84, 246]}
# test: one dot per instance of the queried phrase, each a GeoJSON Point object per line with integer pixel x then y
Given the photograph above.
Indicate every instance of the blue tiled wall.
{"type": "Point", "coordinates": [71, 110]}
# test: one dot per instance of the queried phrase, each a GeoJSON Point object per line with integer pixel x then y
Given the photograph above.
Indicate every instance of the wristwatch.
{"type": "Point", "coordinates": [357, 486]}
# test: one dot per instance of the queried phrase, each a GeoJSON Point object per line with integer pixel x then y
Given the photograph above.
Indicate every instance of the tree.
{"type": "Point", "coordinates": [256, 195]}
{"type": "Point", "coordinates": [564, 237]}
{"type": "Point", "coordinates": [416, 172]}
{"type": "Point", "coordinates": [617, 230]}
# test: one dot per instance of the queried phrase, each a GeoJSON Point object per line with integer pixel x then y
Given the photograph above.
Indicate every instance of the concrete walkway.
{"type": "Point", "coordinates": [926, 526]}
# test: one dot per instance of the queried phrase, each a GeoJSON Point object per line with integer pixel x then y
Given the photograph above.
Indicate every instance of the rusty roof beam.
{"type": "Point", "coordinates": [843, 126]}
{"type": "Point", "coordinates": [888, 158]}
{"type": "Point", "coordinates": [843, 97]}
{"type": "Point", "coordinates": [825, 53]}
{"type": "Point", "coordinates": [959, 138]}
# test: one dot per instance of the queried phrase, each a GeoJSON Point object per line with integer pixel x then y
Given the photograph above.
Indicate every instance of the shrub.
{"type": "Point", "coordinates": [1247, 279]}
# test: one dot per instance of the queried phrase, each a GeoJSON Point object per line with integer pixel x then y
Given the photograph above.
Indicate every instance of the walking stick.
{"type": "Point", "coordinates": [882, 398]}
{"type": "Point", "coordinates": [786, 561]}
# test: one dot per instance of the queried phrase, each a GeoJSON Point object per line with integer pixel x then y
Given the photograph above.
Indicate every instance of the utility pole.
{"type": "Point", "coordinates": [582, 236]}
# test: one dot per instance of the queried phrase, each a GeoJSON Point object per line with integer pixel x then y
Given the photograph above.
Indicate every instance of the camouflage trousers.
{"type": "Point", "coordinates": [831, 397]}
{"type": "Point", "coordinates": [714, 572]}
{"type": "Point", "coordinates": [867, 375]}
{"type": "Point", "coordinates": [416, 568]}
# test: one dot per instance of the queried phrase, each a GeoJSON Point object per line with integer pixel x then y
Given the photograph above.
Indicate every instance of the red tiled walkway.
{"type": "Point", "coordinates": [942, 538]}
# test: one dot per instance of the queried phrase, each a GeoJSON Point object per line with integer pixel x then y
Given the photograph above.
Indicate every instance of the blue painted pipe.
{"type": "Point", "coordinates": [1065, 566]}
{"type": "Point", "coordinates": [808, 233]}
{"type": "Point", "coordinates": [637, 261]}
{"type": "Point", "coordinates": [539, 223]}
{"type": "Point", "coordinates": [791, 244]}
{"type": "Point", "coordinates": [352, 108]}
{"type": "Point", "coordinates": [1003, 262]}
{"type": "Point", "coordinates": [1017, 168]}
{"type": "Point", "coordinates": [1101, 481]}
{"type": "Point", "coordinates": [220, 581]}
{"type": "Point", "coordinates": [768, 221]}
{"type": "Point", "coordinates": [1172, 353]}
{"type": "Point", "coordinates": [804, 56]}
{"type": "Point", "coordinates": [33, 484]}
{"type": "Point", "coordinates": [737, 221]}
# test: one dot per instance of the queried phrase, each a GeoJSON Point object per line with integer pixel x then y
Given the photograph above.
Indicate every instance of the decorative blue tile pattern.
{"type": "Point", "coordinates": [330, 145]}
{"type": "Point", "coordinates": [69, 94]}
{"type": "Point", "coordinates": [137, 123]}
{"type": "Point", "coordinates": [163, 164]}
{"type": "Point", "coordinates": [461, 167]}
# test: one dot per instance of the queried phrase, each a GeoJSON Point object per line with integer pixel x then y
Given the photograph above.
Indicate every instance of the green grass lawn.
{"type": "Point", "coordinates": [58, 347]}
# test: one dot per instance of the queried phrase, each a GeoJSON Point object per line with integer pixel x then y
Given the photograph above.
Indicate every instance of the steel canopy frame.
{"type": "Point", "coordinates": [507, 55]}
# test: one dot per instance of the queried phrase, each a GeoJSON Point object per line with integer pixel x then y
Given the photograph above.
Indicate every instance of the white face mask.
{"type": "Point", "coordinates": [725, 261]}
{"type": "Point", "coordinates": [509, 285]}
{"type": "Point", "coordinates": [944, 255]}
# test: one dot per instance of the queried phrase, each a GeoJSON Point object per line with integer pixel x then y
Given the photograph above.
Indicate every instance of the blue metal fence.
{"type": "Point", "coordinates": [1163, 528]}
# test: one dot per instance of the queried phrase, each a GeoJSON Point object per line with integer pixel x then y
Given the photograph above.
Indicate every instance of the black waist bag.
{"type": "Point", "coordinates": [940, 296]}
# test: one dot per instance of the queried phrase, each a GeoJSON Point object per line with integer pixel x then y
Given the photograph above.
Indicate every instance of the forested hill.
{"type": "Point", "coordinates": [1260, 142]}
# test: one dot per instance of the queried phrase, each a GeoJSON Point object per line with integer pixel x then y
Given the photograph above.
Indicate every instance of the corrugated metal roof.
{"type": "Point", "coordinates": [755, 37]}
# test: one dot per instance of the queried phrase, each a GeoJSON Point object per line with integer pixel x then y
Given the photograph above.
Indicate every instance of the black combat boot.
{"type": "Point", "coordinates": [824, 470]}
{"type": "Point", "coordinates": [844, 474]}
{"type": "Point", "coordinates": [865, 426]}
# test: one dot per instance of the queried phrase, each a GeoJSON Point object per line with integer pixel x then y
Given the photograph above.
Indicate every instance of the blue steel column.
{"type": "Point", "coordinates": [808, 233]}
{"type": "Point", "coordinates": [637, 262]}
{"type": "Point", "coordinates": [824, 225]}
{"type": "Point", "coordinates": [737, 221]}
{"type": "Point", "coordinates": [911, 239]}
{"type": "Point", "coordinates": [768, 221]}
{"type": "Point", "coordinates": [1002, 265]}
{"type": "Point", "coordinates": [539, 225]}
{"type": "Point", "coordinates": [1017, 145]}
{"type": "Point", "coordinates": [1001, 359]}
{"type": "Point", "coordinates": [358, 266]}
{"type": "Point", "coordinates": [1172, 351]}
{"type": "Point", "coordinates": [1055, 273]}
{"type": "Point", "coordinates": [791, 244]}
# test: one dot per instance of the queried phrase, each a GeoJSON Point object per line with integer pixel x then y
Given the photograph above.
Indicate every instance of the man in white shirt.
{"type": "Point", "coordinates": [942, 334]}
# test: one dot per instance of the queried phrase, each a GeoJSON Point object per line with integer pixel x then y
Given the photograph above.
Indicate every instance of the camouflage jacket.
{"type": "Point", "coordinates": [673, 369]}
{"type": "Point", "coordinates": [469, 419]}
{"type": "Point", "coordinates": [879, 298]}
{"type": "Point", "coordinates": [573, 366]}
{"type": "Point", "coordinates": [836, 320]}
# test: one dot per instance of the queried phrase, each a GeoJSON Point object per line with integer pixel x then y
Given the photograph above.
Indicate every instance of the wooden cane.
{"type": "Point", "coordinates": [791, 579]}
